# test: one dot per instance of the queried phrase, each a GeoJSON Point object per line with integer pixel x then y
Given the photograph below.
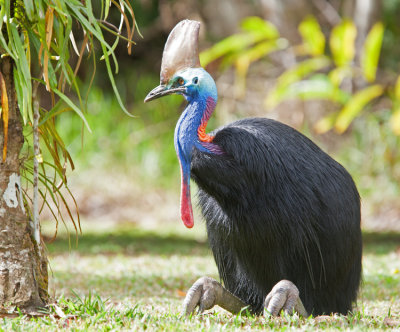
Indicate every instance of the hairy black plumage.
{"type": "Point", "coordinates": [277, 207]}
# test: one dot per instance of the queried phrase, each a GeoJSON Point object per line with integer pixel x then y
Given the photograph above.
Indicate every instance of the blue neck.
{"type": "Point", "coordinates": [190, 134]}
{"type": "Point", "coordinates": [186, 131]}
{"type": "Point", "coordinates": [201, 104]}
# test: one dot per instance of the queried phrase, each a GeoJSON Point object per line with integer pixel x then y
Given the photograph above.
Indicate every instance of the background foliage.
{"type": "Point", "coordinates": [39, 37]}
{"type": "Point", "coordinates": [260, 71]}
{"type": "Point", "coordinates": [324, 78]}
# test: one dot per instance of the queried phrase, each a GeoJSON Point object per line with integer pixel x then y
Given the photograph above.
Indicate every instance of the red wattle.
{"type": "Point", "coordinates": [186, 206]}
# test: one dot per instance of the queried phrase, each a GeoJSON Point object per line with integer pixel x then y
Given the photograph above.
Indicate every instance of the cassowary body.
{"type": "Point", "coordinates": [277, 207]}
{"type": "Point", "coordinates": [283, 218]}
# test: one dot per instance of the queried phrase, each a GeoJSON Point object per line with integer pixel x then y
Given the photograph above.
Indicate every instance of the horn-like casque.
{"type": "Point", "coordinates": [181, 49]}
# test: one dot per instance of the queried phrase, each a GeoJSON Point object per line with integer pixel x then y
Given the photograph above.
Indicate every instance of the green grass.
{"type": "Point", "coordinates": [134, 279]}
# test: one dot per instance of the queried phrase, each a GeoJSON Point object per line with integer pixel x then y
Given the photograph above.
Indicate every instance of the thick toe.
{"type": "Point", "coordinates": [202, 294]}
{"type": "Point", "coordinates": [284, 296]}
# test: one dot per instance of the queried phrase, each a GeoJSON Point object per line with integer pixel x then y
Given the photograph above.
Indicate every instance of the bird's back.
{"type": "Point", "coordinates": [278, 207]}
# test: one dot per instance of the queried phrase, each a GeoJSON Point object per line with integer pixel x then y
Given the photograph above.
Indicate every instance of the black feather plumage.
{"type": "Point", "coordinates": [277, 207]}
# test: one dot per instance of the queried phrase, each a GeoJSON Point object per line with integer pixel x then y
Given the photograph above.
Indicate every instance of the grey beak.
{"type": "Point", "coordinates": [161, 91]}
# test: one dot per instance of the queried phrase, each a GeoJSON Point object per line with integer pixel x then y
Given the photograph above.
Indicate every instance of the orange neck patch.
{"type": "Point", "coordinates": [203, 136]}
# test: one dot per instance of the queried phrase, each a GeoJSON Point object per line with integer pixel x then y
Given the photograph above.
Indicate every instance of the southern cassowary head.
{"type": "Point", "coordinates": [181, 72]}
{"type": "Point", "coordinates": [190, 83]}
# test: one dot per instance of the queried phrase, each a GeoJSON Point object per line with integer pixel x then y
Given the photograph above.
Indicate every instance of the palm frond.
{"type": "Point", "coordinates": [43, 30]}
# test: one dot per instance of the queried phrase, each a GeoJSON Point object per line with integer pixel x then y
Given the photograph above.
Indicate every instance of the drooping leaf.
{"type": "Point", "coordinates": [19, 89]}
{"type": "Point", "coordinates": [258, 51]}
{"type": "Point", "coordinates": [338, 74]}
{"type": "Point", "coordinates": [4, 114]}
{"type": "Point", "coordinates": [313, 38]}
{"type": "Point", "coordinates": [342, 42]}
{"type": "Point", "coordinates": [72, 38]}
{"type": "Point", "coordinates": [118, 32]}
{"type": "Point", "coordinates": [23, 69]}
{"type": "Point", "coordinates": [57, 109]}
{"type": "Point", "coordinates": [397, 89]}
{"type": "Point", "coordinates": [40, 30]}
{"type": "Point", "coordinates": [255, 30]}
{"type": "Point", "coordinates": [355, 105]}
{"type": "Point", "coordinates": [96, 30]}
{"type": "Point", "coordinates": [73, 106]}
{"type": "Point", "coordinates": [49, 32]}
{"type": "Point", "coordinates": [257, 26]}
{"type": "Point", "coordinates": [245, 58]}
{"type": "Point", "coordinates": [4, 13]}
{"type": "Point", "coordinates": [290, 76]}
{"type": "Point", "coordinates": [326, 123]}
{"type": "Point", "coordinates": [395, 118]}
{"type": "Point", "coordinates": [371, 51]}
{"type": "Point", "coordinates": [29, 9]}
{"type": "Point", "coordinates": [395, 121]}
{"type": "Point", "coordinates": [231, 44]}
{"type": "Point", "coordinates": [107, 4]}
{"type": "Point", "coordinates": [317, 87]}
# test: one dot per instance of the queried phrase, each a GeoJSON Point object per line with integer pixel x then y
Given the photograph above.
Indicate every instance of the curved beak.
{"type": "Point", "coordinates": [161, 91]}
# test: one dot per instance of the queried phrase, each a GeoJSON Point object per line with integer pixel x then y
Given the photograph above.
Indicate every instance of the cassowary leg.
{"type": "Point", "coordinates": [206, 293]}
{"type": "Point", "coordinates": [284, 296]}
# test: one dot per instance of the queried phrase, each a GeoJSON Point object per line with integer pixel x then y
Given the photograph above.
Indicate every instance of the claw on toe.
{"type": "Point", "coordinates": [206, 293]}
{"type": "Point", "coordinates": [202, 295]}
{"type": "Point", "coordinates": [284, 296]}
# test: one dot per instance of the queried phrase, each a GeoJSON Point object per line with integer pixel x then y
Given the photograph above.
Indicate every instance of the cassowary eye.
{"type": "Point", "coordinates": [181, 81]}
{"type": "Point", "coordinates": [196, 80]}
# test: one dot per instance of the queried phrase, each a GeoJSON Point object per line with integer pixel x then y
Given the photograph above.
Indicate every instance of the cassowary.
{"type": "Point", "coordinates": [282, 217]}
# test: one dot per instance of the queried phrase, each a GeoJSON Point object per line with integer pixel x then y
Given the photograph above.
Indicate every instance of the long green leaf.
{"type": "Point", "coordinates": [355, 105]}
{"type": "Point", "coordinates": [5, 13]}
{"type": "Point", "coordinates": [91, 27]}
{"type": "Point", "coordinates": [24, 71]}
{"type": "Point", "coordinates": [317, 87]}
{"type": "Point", "coordinates": [395, 118]}
{"type": "Point", "coordinates": [104, 47]}
{"type": "Point", "coordinates": [29, 9]}
{"type": "Point", "coordinates": [342, 42]}
{"type": "Point", "coordinates": [23, 38]}
{"type": "Point", "coordinates": [57, 109]}
{"type": "Point", "coordinates": [107, 8]}
{"type": "Point", "coordinates": [96, 26]}
{"type": "Point", "coordinates": [259, 27]}
{"type": "Point", "coordinates": [397, 89]}
{"type": "Point", "coordinates": [19, 89]}
{"type": "Point", "coordinates": [326, 123]}
{"type": "Point", "coordinates": [313, 38]}
{"type": "Point", "coordinates": [231, 44]}
{"type": "Point", "coordinates": [290, 76]}
{"type": "Point", "coordinates": [371, 52]}
{"type": "Point", "coordinates": [73, 106]}
{"type": "Point", "coordinates": [395, 121]}
{"type": "Point", "coordinates": [338, 74]}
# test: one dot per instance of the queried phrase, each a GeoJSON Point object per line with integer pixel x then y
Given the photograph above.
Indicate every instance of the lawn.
{"type": "Point", "coordinates": [129, 278]}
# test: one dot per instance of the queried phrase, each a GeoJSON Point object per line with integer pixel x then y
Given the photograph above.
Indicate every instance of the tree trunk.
{"type": "Point", "coordinates": [23, 265]}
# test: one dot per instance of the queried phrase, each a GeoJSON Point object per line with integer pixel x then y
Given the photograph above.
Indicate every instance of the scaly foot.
{"type": "Point", "coordinates": [284, 296]}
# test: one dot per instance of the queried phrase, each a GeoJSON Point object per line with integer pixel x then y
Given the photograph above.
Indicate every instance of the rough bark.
{"type": "Point", "coordinates": [23, 270]}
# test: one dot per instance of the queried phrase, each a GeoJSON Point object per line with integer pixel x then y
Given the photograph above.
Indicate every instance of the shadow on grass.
{"type": "Point", "coordinates": [136, 242]}
{"type": "Point", "coordinates": [128, 242]}
{"type": "Point", "coordinates": [126, 285]}
{"type": "Point", "coordinates": [381, 243]}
